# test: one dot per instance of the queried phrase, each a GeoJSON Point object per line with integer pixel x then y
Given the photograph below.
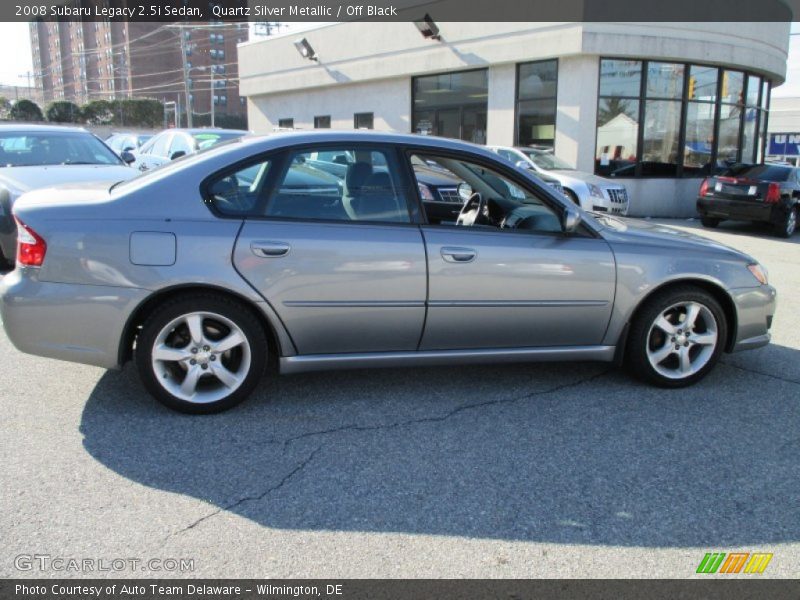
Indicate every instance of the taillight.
{"type": "Point", "coordinates": [773, 193]}
{"type": "Point", "coordinates": [704, 188]}
{"type": "Point", "coordinates": [31, 248]}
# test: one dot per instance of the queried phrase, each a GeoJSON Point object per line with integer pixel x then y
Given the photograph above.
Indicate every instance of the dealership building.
{"type": "Point", "coordinates": [655, 105]}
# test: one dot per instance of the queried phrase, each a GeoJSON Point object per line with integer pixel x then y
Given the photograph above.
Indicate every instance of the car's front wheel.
{"type": "Point", "coordinates": [677, 337]}
{"type": "Point", "coordinates": [788, 224]}
{"type": "Point", "coordinates": [201, 354]}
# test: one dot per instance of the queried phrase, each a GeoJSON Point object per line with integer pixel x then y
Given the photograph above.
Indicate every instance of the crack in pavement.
{"type": "Point", "coordinates": [446, 416]}
{"type": "Point", "coordinates": [244, 499]}
{"type": "Point", "coordinates": [762, 373]}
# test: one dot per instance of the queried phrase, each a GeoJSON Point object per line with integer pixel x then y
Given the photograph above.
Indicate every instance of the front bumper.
{"type": "Point", "coordinates": [614, 201]}
{"type": "Point", "coordinates": [77, 323]}
{"type": "Point", "coordinates": [755, 308]}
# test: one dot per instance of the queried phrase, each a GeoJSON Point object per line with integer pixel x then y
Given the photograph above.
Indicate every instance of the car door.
{"type": "Point", "coordinates": [525, 284]}
{"type": "Point", "coordinates": [338, 258]}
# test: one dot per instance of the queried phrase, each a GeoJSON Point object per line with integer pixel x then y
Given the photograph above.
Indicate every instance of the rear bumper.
{"type": "Point", "coordinates": [740, 210]}
{"type": "Point", "coordinates": [755, 308]}
{"type": "Point", "coordinates": [77, 323]}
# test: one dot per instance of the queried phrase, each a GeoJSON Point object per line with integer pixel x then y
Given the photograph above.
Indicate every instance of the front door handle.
{"type": "Point", "coordinates": [458, 255]}
{"type": "Point", "coordinates": [270, 249]}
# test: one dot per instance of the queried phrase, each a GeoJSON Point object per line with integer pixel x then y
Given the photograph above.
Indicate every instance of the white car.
{"type": "Point", "coordinates": [174, 143]}
{"type": "Point", "coordinates": [591, 192]}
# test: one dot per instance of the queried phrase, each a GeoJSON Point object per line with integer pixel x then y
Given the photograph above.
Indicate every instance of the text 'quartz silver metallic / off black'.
{"type": "Point", "coordinates": [322, 249]}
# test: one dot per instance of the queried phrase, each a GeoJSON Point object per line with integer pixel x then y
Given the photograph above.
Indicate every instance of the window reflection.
{"type": "Point", "coordinates": [536, 103]}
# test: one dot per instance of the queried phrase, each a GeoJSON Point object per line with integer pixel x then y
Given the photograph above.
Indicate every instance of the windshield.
{"type": "Point", "coordinates": [546, 160]}
{"type": "Point", "coordinates": [27, 149]}
{"type": "Point", "coordinates": [761, 172]}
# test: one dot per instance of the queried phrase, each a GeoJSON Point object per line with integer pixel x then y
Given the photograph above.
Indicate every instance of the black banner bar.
{"type": "Point", "coordinates": [713, 588]}
{"type": "Point", "coordinates": [400, 10]}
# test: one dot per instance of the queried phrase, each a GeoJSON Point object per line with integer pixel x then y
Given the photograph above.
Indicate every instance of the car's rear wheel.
{"type": "Point", "coordinates": [788, 224]}
{"type": "Point", "coordinates": [201, 354]}
{"type": "Point", "coordinates": [709, 222]}
{"type": "Point", "coordinates": [677, 337]}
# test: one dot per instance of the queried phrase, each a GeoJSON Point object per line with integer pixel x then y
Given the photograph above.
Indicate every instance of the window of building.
{"type": "Point", "coordinates": [536, 103]}
{"type": "Point", "coordinates": [323, 122]}
{"type": "Point", "coordinates": [451, 105]}
{"type": "Point", "coordinates": [286, 123]}
{"type": "Point", "coordinates": [362, 120]}
{"type": "Point", "coordinates": [695, 119]}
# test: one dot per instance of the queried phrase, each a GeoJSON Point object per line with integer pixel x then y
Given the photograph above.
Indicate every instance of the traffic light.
{"type": "Point", "coordinates": [692, 85]}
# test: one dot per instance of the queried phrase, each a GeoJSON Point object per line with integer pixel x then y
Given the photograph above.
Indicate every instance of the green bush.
{"type": "Point", "coordinates": [62, 111]}
{"type": "Point", "coordinates": [25, 110]}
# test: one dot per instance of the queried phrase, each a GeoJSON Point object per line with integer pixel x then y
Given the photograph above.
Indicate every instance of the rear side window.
{"type": "Point", "coordinates": [341, 184]}
{"type": "Point", "coordinates": [237, 193]}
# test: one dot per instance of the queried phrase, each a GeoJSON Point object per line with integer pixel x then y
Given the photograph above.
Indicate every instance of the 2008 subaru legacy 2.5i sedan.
{"type": "Point", "coordinates": [202, 268]}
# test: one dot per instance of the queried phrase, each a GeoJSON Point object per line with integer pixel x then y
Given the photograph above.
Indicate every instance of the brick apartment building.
{"type": "Point", "coordinates": [90, 60]}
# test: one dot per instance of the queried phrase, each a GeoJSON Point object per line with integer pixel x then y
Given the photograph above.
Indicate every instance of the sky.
{"type": "Point", "coordinates": [17, 60]}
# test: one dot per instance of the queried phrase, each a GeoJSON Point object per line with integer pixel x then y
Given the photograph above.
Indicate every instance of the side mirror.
{"type": "Point", "coordinates": [465, 191]}
{"type": "Point", "coordinates": [572, 219]}
{"type": "Point", "coordinates": [177, 154]}
{"type": "Point", "coordinates": [524, 164]}
{"type": "Point", "coordinates": [127, 157]}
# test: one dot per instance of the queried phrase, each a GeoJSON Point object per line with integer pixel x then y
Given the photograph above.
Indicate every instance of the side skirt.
{"type": "Point", "coordinates": [427, 358]}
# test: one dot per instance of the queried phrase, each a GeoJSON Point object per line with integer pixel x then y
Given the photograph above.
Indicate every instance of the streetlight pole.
{"type": "Point", "coordinates": [186, 80]}
{"type": "Point", "coordinates": [213, 95]}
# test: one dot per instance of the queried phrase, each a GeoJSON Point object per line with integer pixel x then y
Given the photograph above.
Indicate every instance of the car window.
{"type": "Point", "coordinates": [761, 172]}
{"type": "Point", "coordinates": [29, 149]}
{"type": "Point", "coordinates": [488, 199]}
{"type": "Point", "coordinates": [160, 145]}
{"type": "Point", "coordinates": [180, 143]}
{"type": "Point", "coordinates": [508, 155]}
{"type": "Point", "coordinates": [368, 188]}
{"type": "Point", "coordinates": [237, 193]}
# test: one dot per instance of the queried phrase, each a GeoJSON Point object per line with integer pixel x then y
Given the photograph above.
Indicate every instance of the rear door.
{"type": "Point", "coordinates": [337, 257]}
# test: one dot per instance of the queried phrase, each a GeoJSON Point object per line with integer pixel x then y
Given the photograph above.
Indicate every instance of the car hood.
{"type": "Point", "coordinates": [618, 229]}
{"type": "Point", "coordinates": [585, 177]}
{"type": "Point", "coordinates": [19, 180]}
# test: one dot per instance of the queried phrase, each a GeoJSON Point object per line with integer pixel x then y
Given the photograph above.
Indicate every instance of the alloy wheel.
{"type": "Point", "coordinates": [682, 340]}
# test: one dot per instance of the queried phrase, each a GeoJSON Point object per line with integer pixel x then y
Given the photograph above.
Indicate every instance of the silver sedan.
{"type": "Point", "coordinates": [208, 268]}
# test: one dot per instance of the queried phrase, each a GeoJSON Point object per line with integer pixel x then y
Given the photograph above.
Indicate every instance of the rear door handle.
{"type": "Point", "coordinates": [270, 249]}
{"type": "Point", "coordinates": [458, 255]}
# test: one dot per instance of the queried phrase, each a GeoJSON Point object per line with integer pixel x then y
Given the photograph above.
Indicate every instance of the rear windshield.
{"type": "Point", "coordinates": [762, 172]}
{"type": "Point", "coordinates": [206, 140]}
{"type": "Point", "coordinates": [28, 149]}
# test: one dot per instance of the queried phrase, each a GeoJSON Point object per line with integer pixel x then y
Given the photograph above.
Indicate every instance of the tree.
{"type": "Point", "coordinates": [63, 111]}
{"type": "Point", "coordinates": [25, 110]}
{"type": "Point", "coordinates": [5, 107]}
{"type": "Point", "coordinates": [98, 112]}
{"type": "Point", "coordinates": [611, 107]}
{"type": "Point", "coordinates": [138, 112]}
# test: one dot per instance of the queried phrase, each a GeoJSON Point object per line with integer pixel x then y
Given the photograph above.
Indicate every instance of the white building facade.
{"type": "Point", "coordinates": [656, 105]}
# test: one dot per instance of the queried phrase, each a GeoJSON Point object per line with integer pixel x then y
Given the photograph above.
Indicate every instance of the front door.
{"type": "Point", "coordinates": [509, 277]}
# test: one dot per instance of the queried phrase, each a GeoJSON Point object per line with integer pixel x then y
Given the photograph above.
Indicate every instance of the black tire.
{"type": "Point", "coordinates": [641, 336]}
{"type": "Point", "coordinates": [709, 222]}
{"type": "Point", "coordinates": [788, 224]}
{"type": "Point", "coordinates": [216, 304]}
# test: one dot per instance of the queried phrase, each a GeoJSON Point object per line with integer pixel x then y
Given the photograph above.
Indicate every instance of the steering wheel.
{"type": "Point", "coordinates": [472, 210]}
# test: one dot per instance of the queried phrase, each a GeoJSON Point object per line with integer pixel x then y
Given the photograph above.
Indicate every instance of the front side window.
{"type": "Point", "coordinates": [362, 184]}
{"type": "Point", "coordinates": [487, 199]}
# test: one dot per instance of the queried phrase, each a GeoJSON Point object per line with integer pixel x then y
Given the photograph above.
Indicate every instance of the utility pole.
{"type": "Point", "coordinates": [186, 79]}
{"type": "Point", "coordinates": [213, 96]}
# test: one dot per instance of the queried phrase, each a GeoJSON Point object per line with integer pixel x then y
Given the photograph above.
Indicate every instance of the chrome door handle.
{"type": "Point", "coordinates": [270, 249]}
{"type": "Point", "coordinates": [458, 255]}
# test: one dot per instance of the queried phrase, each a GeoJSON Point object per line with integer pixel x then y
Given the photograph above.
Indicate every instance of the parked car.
{"type": "Point", "coordinates": [37, 156]}
{"type": "Point", "coordinates": [589, 191]}
{"type": "Point", "coordinates": [127, 142]}
{"type": "Point", "coordinates": [203, 268]}
{"type": "Point", "coordinates": [767, 193]}
{"type": "Point", "coordinates": [174, 143]}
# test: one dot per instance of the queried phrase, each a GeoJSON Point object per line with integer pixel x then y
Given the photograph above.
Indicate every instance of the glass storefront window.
{"type": "Point", "coordinates": [687, 124]}
{"type": "Point", "coordinates": [620, 78]}
{"type": "Point", "coordinates": [662, 126]}
{"type": "Point", "coordinates": [664, 80]}
{"type": "Point", "coordinates": [699, 139]}
{"type": "Point", "coordinates": [617, 136]}
{"type": "Point", "coordinates": [451, 105]}
{"type": "Point", "coordinates": [536, 103]}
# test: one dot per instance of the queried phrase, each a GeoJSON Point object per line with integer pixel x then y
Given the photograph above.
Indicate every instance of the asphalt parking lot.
{"type": "Point", "coordinates": [550, 470]}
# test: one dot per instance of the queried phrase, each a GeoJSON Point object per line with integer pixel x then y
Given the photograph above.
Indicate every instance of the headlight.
{"type": "Point", "coordinates": [595, 191]}
{"type": "Point", "coordinates": [759, 272]}
{"type": "Point", "coordinates": [425, 192]}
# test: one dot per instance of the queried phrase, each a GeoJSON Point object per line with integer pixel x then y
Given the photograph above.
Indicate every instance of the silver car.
{"type": "Point", "coordinates": [589, 191]}
{"type": "Point", "coordinates": [205, 268]}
